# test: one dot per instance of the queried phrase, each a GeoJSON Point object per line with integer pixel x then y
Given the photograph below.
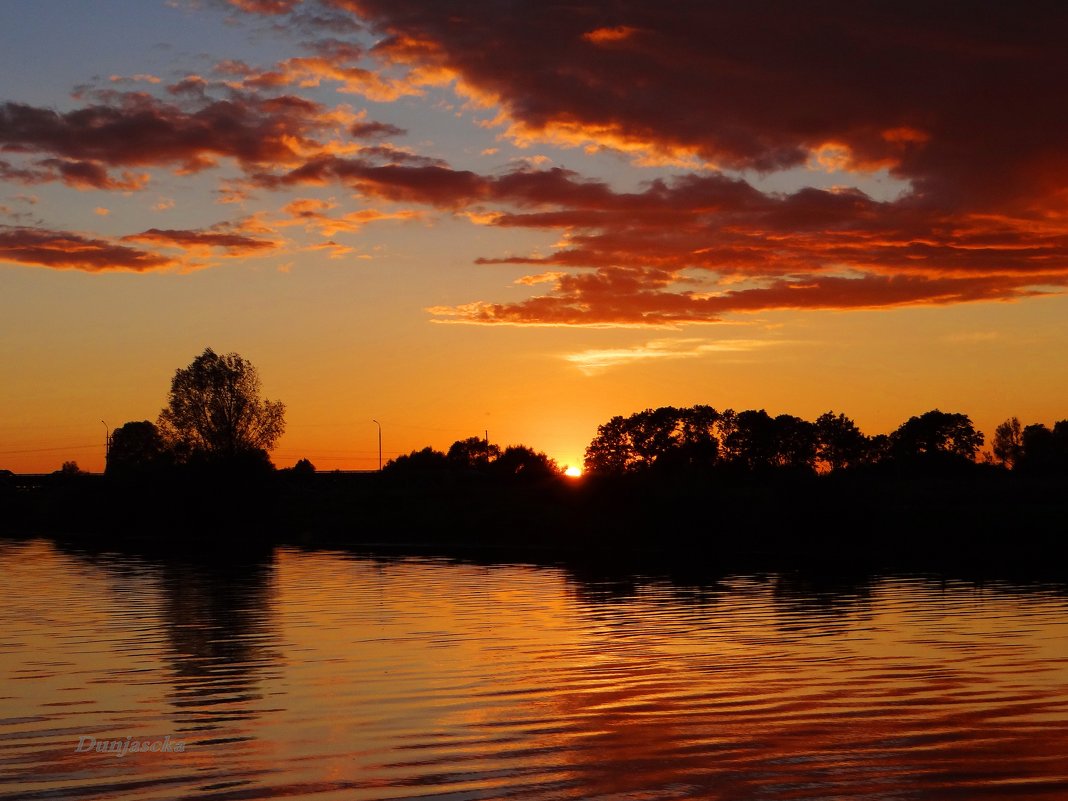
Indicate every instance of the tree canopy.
{"type": "Point", "coordinates": [937, 433]}
{"type": "Point", "coordinates": [472, 453]}
{"type": "Point", "coordinates": [136, 447]}
{"type": "Point", "coordinates": [754, 442]}
{"type": "Point", "coordinates": [664, 436]}
{"type": "Point", "coordinates": [475, 456]}
{"type": "Point", "coordinates": [214, 409]}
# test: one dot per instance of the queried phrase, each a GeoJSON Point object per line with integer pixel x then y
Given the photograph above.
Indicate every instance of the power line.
{"type": "Point", "coordinates": [61, 448]}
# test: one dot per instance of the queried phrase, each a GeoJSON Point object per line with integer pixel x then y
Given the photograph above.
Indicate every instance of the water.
{"type": "Point", "coordinates": [330, 676]}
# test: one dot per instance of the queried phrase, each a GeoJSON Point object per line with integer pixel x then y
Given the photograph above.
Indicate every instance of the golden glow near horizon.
{"type": "Point", "coordinates": [390, 232]}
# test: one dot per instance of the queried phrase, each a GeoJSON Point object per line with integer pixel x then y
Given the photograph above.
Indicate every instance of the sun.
{"type": "Point", "coordinates": [572, 472]}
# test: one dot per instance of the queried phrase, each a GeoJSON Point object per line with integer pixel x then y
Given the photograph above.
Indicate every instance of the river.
{"type": "Point", "coordinates": [334, 675]}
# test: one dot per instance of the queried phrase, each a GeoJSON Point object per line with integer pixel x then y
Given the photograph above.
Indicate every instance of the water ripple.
{"type": "Point", "coordinates": [333, 676]}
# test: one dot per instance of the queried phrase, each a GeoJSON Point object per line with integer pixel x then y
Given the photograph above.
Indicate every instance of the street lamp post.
{"type": "Point", "coordinates": [379, 444]}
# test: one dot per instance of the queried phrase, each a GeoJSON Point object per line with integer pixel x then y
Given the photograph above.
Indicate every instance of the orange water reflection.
{"type": "Point", "coordinates": [328, 675]}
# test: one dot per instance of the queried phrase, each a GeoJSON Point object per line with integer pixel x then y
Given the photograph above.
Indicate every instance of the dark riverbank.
{"type": "Point", "coordinates": [935, 518]}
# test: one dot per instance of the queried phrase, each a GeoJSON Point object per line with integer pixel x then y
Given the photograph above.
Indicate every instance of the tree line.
{"type": "Point", "coordinates": [676, 478]}
{"type": "Point", "coordinates": [214, 416]}
{"type": "Point", "coordinates": [700, 437]}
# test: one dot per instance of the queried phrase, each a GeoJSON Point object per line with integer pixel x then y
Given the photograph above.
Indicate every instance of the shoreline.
{"type": "Point", "coordinates": [981, 518]}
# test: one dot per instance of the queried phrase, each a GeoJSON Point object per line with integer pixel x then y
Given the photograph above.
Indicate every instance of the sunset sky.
{"type": "Point", "coordinates": [528, 217]}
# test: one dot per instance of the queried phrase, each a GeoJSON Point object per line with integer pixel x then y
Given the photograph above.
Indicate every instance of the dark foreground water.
{"type": "Point", "coordinates": [329, 676]}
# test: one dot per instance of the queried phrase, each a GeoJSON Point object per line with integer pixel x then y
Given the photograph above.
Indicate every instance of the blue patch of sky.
{"type": "Point", "coordinates": [51, 47]}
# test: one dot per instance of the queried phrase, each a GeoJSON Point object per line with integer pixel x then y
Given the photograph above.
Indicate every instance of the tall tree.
{"type": "Point", "coordinates": [1008, 442]}
{"type": "Point", "coordinates": [610, 450]}
{"type": "Point", "coordinates": [214, 409]}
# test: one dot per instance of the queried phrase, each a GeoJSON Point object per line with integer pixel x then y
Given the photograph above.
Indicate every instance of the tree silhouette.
{"type": "Point", "coordinates": [303, 467]}
{"type": "Point", "coordinates": [752, 440]}
{"type": "Point", "coordinates": [797, 442]}
{"type": "Point", "coordinates": [1008, 442]}
{"type": "Point", "coordinates": [426, 462]}
{"type": "Point", "coordinates": [214, 409]}
{"type": "Point", "coordinates": [758, 441]}
{"type": "Point", "coordinates": [136, 447]}
{"type": "Point", "coordinates": [473, 452]}
{"type": "Point", "coordinates": [937, 433]}
{"type": "Point", "coordinates": [1044, 450]}
{"type": "Point", "coordinates": [521, 462]}
{"type": "Point", "coordinates": [610, 451]}
{"type": "Point", "coordinates": [880, 449]}
{"type": "Point", "coordinates": [666, 436]}
{"type": "Point", "coordinates": [839, 443]}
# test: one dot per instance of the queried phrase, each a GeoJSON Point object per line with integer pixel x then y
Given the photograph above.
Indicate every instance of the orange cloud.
{"type": "Point", "coordinates": [312, 213]}
{"type": "Point", "coordinates": [265, 6]}
{"type": "Point", "coordinates": [604, 35]}
{"type": "Point", "coordinates": [307, 71]}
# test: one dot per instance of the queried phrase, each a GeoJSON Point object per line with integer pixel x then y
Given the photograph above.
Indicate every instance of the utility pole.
{"type": "Point", "coordinates": [107, 444]}
{"type": "Point", "coordinates": [379, 444]}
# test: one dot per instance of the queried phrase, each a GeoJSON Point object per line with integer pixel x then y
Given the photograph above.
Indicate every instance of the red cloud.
{"type": "Point", "coordinates": [78, 174]}
{"type": "Point", "coordinates": [91, 175]}
{"type": "Point", "coordinates": [375, 130]}
{"type": "Point", "coordinates": [232, 243]}
{"type": "Point", "coordinates": [408, 178]}
{"type": "Point", "coordinates": [646, 245]}
{"type": "Point", "coordinates": [65, 250]}
{"type": "Point", "coordinates": [134, 129]}
{"type": "Point", "coordinates": [965, 106]}
{"type": "Point", "coordinates": [622, 296]}
{"type": "Point", "coordinates": [964, 109]}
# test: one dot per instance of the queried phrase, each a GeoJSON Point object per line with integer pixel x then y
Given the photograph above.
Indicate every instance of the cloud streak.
{"type": "Point", "coordinates": [203, 242]}
{"type": "Point", "coordinates": [597, 360]}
